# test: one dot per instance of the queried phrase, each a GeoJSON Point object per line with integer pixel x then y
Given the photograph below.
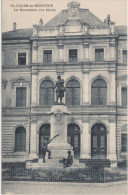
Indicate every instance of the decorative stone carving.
{"type": "Point", "coordinates": [58, 115]}
{"type": "Point", "coordinates": [4, 83]}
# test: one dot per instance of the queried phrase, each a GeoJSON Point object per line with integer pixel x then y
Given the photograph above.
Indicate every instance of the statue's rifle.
{"type": "Point", "coordinates": [53, 138]}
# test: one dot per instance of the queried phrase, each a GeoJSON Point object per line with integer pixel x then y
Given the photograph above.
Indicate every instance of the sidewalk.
{"type": "Point", "coordinates": [63, 188]}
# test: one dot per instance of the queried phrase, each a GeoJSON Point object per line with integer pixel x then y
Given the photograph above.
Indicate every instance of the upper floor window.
{"type": "Point", "coordinates": [124, 96]}
{"type": "Point", "coordinates": [73, 92]}
{"type": "Point", "coordinates": [99, 92]}
{"type": "Point", "coordinates": [47, 93]}
{"type": "Point", "coordinates": [20, 96]}
{"type": "Point", "coordinates": [72, 55]}
{"type": "Point", "coordinates": [21, 58]}
{"type": "Point", "coordinates": [20, 139]}
{"type": "Point", "coordinates": [99, 55]}
{"type": "Point", "coordinates": [47, 56]}
{"type": "Point", "coordinates": [124, 52]}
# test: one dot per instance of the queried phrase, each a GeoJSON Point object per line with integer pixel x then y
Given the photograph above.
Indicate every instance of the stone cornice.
{"type": "Point", "coordinates": [19, 80]}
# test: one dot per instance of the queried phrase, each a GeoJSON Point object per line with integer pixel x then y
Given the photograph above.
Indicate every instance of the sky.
{"type": "Point", "coordinates": [11, 12]}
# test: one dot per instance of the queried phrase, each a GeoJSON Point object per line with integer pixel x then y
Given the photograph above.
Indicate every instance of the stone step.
{"type": "Point", "coordinates": [53, 163]}
{"type": "Point", "coordinates": [44, 165]}
{"type": "Point", "coordinates": [50, 161]}
{"type": "Point", "coordinates": [78, 165]}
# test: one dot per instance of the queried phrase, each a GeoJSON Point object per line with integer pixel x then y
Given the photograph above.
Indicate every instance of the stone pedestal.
{"type": "Point", "coordinates": [59, 146]}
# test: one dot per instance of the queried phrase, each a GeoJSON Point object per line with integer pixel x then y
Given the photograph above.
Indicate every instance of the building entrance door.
{"type": "Point", "coordinates": [74, 139]}
{"type": "Point", "coordinates": [44, 132]}
{"type": "Point", "coordinates": [98, 141]}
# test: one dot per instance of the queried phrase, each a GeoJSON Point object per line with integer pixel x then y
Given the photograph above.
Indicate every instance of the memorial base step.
{"type": "Point", "coordinates": [52, 163]}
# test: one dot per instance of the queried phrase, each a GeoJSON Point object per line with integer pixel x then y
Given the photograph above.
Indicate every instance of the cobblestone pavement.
{"type": "Point", "coordinates": [63, 188]}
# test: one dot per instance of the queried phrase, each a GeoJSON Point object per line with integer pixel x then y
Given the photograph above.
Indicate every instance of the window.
{"type": "Point", "coordinates": [72, 55]}
{"type": "Point", "coordinates": [46, 93]}
{"type": "Point", "coordinates": [124, 56]}
{"type": "Point", "coordinates": [47, 56]}
{"type": "Point", "coordinates": [21, 58]}
{"type": "Point", "coordinates": [99, 55]}
{"type": "Point", "coordinates": [124, 96]}
{"type": "Point", "coordinates": [20, 96]}
{"type": "Point", "coordinates": [20, 139]}
{"type": "Point", "coordinates": [124, 142]}
{"type": "Point", "coordinates": [73, 92]}
{"type": "Point", "coordinates": [99, 92]}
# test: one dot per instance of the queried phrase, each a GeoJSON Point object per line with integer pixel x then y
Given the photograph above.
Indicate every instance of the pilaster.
{"type": "Point", "coordinates": [86, 87]}
{"type": "Point", "coordinates": [35, 52]}
{"type": "Point", "coordinates": [112, 140]}
{"type": "Point", "coordinates": [33, 140]}
{"type": "Point", "coordinates": [112, 91]}
{"type": "Point", "coordinates": [86, 139]}
{"type": "Point", "coordinates": [60, 52]}
{"type": "Point", "coordinates": [86, 51]}
{"type": "Point", "coordinates": [34, 86]}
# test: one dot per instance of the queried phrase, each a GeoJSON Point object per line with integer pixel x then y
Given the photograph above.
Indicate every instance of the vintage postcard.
{"type": "Point", "coordinates": [64, 97]}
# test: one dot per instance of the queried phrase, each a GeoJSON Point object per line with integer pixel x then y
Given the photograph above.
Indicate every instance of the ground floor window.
{"type": "Point", "coordinates": [124, 142]}
{"type": "Point", "coordinates": [124, 138]}
{"type": "Point", "coordinates": [20, 139]}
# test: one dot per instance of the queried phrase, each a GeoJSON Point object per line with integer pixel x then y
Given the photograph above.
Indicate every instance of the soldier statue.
{"type": "Point", "coordinates": [44, 146]}
{"type": "Point", "coordinates": [59, 89]}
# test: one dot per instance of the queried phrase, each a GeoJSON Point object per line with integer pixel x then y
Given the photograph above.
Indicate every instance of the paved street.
{"type": "Point", "coordinates": [62, 188]}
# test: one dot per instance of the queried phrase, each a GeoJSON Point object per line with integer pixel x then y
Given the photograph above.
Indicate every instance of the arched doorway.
{"type": "Point", "coordinates": [43, 132]}
{"type": "Point", "coordinates": [74, 138]}
{"type": "Point", "coordinates": [98, 141]}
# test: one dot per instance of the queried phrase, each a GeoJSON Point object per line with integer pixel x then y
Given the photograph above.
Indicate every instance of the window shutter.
{"type": "Point", "coordinates": [18, 97]}
{"type": "Point", "coordinates": [95, 96]}
{"type": "Point", "coordinates": [124, 96]}
{"type": "Point", "coordinates": [23, 89]}
{"type": "Point", "coordinates": [69, 96]}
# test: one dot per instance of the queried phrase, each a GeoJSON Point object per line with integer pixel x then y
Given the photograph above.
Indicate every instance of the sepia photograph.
{"type": "Point", "coordinates": [64, 127]}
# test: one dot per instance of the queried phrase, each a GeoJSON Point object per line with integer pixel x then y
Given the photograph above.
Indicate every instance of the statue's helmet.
{"type": "Point", "coordinates": [59, 77]}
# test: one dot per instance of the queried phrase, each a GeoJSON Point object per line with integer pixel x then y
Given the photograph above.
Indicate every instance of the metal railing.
{"type": "Point", "coordinates": [86, 175]}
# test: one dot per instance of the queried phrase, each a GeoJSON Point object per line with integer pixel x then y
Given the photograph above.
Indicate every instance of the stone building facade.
{"type": "Point", "coordinates": [91, 57]}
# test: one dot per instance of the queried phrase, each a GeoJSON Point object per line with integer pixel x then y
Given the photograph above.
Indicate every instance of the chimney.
{"type": "Point", "coordinates": [41, 23]}
{"type": "Point", "coordinates": [14, 26]}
